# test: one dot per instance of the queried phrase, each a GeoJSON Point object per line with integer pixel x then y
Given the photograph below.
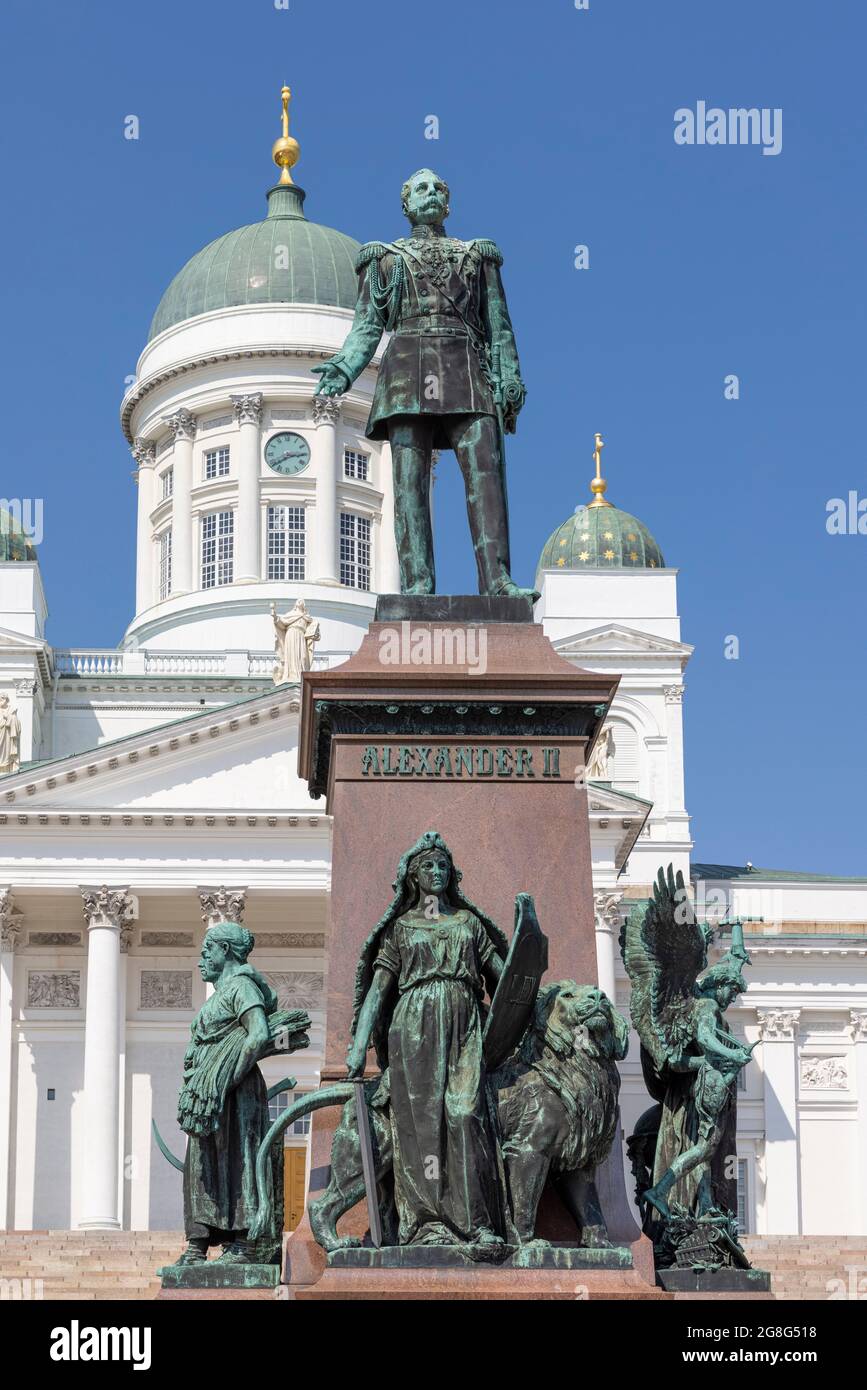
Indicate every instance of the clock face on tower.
{"type": "Point", "coordinates": [287, 453]}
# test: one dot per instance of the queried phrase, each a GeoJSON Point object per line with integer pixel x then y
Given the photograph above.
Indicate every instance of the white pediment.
{"type": "Point", "coordinates": [616, 639]}
{"type": "Point", "coordinates": [241, 757]}
{"type": "Point", "coordinates": [20, 641]}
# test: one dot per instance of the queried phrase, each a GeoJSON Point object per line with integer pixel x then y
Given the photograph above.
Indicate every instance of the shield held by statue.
{"type": "Point", "coordinates": [515, 996]}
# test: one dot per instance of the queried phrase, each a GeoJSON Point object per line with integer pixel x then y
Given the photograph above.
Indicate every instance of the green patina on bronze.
{"type": "Point", "coordinates": [450, 378]}
{"type": "Point", "coordinates": [476, 1108]}
{"type": "Point", "coordinates": [683, 1148]}
{"type": "Point", "coordinates": [223, 1108]}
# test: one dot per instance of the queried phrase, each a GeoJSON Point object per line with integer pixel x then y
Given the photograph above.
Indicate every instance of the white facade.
{"type": "Point", "coordinates": [158, 790]}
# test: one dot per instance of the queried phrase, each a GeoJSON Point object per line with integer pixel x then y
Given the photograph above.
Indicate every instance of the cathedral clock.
{"type": "Point", "coordinates": [287, 453]}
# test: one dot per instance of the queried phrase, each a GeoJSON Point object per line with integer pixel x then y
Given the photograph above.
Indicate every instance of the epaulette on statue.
{"type": "Point", "coordinates": [372, 250]}
{"type": "Point", "coordinates": [488, 250]}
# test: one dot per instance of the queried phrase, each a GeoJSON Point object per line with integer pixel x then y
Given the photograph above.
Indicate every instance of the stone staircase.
{"type": "Point", "coordinates": [93, 1265]}
{"type": "Point", "coordinates": [812, 1267]}
{"type": "Point", "coordinates": [85, 1264]}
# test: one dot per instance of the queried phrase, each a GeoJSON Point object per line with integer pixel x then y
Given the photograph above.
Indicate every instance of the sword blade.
{"type": "Point", "coordinates": [368, 1167]}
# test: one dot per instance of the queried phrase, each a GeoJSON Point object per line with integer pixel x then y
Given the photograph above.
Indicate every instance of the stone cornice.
{"type": "Point", "coordinates": [148, 384]}
{"type": "Point", "coordinates": [203, 820]}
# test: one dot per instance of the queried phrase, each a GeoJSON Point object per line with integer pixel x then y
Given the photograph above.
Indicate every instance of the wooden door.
{"type": "Point", "coordinates": [294, 1182]}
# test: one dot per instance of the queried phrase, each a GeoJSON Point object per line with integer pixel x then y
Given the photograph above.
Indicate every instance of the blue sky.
{"type": "Point", "coordinates": [556, 129]}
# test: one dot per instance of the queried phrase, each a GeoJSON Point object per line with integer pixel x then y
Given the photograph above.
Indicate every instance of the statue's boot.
{"type": "Point", "coordinates": [509, 589]}
{"type": "Point", "coordinates": [196, 1252]}
{"type": "Point", "coordinates": [237, 1252]}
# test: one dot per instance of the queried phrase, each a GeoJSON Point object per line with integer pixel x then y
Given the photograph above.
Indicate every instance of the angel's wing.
{"type": "Point", "coordinates": [664, 949]}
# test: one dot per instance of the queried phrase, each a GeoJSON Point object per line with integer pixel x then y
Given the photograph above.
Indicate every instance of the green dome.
{"type": "Point", "coordinates": [601, 537]}
{"type": "Point", "coordinates": [14, 543]}
{"type": "Point", "coordinates": [247, 267]}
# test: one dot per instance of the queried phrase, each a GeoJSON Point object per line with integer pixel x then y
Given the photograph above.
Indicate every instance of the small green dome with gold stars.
{"type": "Point", "coordinates": [600, 536]}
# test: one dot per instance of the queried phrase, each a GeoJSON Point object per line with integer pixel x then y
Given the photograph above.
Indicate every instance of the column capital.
{"type": "Point", "coordinates": [223, 905]}
{"type": "Point", "coordinates": [248, 409]}
{"type": "Point", "coordinates": [857, 1026]}
{"type": "Point", "coordinates": [326, 410]}
{"type": "Point", "coordinates": [607, 907]}
{"type": "Point", "coordinates": [144, 451]}
{"type": "Point", "coordinates": [778, 1025]}
{"type": "Point", "coordinates": [10, 923]}
{"type": "Point", "coordinates": [673, 694]}
{"type": "Point", "coordinates": [110, 907]}
{"type": "Point", "coordinates": [182, 425]}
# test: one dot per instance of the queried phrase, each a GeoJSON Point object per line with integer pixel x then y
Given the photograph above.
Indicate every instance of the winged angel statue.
{"type": "Point", "coordinates": [683, 1150]}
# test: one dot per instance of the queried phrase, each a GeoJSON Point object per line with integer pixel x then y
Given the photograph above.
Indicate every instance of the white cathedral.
{"type": "Point", "coordinates": [150, 790]}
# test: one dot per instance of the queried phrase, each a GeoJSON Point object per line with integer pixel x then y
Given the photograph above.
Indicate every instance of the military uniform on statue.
{"type": "Point", "coordinates": [450, 378]}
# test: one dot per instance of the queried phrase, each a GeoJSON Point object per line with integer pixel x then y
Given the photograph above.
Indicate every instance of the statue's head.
{"type": "Point", "coordinates": [425, 198]}
{"type": "Point", "coordinates": [224, 943]}
{"type": "Point", "coordinates": [4, 701]}
{"type": "Point", "coordinates": [723, 983]}
{"type": "Point", "coordinates": [427, 869]}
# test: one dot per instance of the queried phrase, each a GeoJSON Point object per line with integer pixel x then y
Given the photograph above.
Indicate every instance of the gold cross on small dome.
{"type": "Point", "coordinates": [598, 486]}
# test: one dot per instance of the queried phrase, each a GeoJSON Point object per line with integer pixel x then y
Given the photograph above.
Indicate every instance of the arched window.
{"type": "Point", "coordinates": [624, 768]}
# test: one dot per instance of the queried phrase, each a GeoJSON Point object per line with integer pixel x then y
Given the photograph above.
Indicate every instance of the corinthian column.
{"type": "Point", "coordinates": [248, 413]}
{"type": "Point", "coordinates": [108, 913]}
{"type": "Point", "coordinates": [326, 416]}
{"type": "Point", "coordinates": [221, 905]}
{"type": "Point", "coordinates": [183, 426]}
{"type": "Point", "coordinates": [778, 1029]}
{"type": "Point", "coordinates": [608, 915]}
{"type": "Point", "coordinates": [144, 451]}
{"type": "Point", "coordinates": [10, 932]}
{"type": "Point", "coordinates": [858, 1034]}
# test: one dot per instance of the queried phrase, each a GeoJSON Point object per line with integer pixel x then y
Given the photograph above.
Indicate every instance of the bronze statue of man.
{"type": "Point", "coordinates": [450, 378]}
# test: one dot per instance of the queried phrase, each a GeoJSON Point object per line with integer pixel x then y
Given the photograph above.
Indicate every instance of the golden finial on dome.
{"type": "Point", "coordinates": [598, 485]}
{"type": "Point", "coordinates": [286, 151]}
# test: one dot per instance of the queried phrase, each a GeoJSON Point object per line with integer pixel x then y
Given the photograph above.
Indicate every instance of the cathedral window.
{"type": "Point", "coordinates": [356, 465]}
{"type": "Point", "coordinates": [217, 463]}
{"type": "Point", "coordinates": [165, 544]}
{"type": "Point", "coordinates": [286, 542]}
{"type": "Point", "coordinates": [168, 483]}
{"type": "Point", "coordinates": [354, 551]}
{"type": "Point", "coordinates": [218, 543]}
{"type": "Point", "coordinates": [280, 1103]}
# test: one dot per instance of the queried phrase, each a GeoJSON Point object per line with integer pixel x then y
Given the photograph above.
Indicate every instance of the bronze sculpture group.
{"type": "Point", "coordinates": [477, 1106]}
{"type": "Point", "coordinates": [492, 1085]}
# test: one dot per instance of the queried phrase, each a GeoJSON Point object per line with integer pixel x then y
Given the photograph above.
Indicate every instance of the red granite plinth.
{"type": "Point", "coordinates": [492, 1284]}
{"type": "Point", "coordinates": [490, 753]}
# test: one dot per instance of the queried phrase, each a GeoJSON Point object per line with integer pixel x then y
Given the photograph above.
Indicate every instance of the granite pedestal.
{"type": "Point", "coordinates": [477, 729]}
